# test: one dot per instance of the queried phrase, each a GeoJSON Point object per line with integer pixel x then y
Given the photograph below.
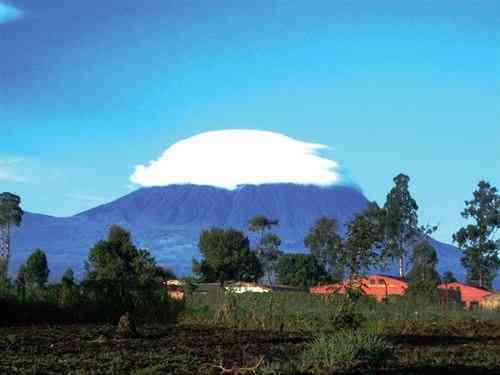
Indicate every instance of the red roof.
{"type": "Point", "coordinates": [469, 294]}
{"type": "Point", "coordinates": [377, 285]}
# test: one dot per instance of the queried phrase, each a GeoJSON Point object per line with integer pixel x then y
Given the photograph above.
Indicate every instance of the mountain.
{"type": "Point", "coordinates": [168, 220]}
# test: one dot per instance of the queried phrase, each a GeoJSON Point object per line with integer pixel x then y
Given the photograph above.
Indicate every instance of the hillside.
{"type": "Point", "coordinates": [168, 220]}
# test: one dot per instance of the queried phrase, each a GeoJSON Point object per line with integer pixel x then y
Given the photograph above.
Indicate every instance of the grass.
{"type": "Point", "coordinates": [346, 349]}
{"type": "Point", "coordinates": [290, 332]}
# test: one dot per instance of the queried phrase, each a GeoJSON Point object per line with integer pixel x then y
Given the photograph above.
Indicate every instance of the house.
{"type": "Point", "coordinates": [377, 285]}
{"type": "Point", "coordinates": [471, 296]}
{"type": "Point", "coordinates": [243, 287]}
{"type": "Point", "coordinates": [490, 302]}
{"type": "Point", "coordinates": [175, 289]}
{"type": "Point", "coordinates": [210, 293]}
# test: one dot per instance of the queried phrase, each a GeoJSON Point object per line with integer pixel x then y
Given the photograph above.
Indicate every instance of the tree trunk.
{"type": "Point", "coordinates": [401, 266]}
{"type": "Point", "coordinates": [4, 249]}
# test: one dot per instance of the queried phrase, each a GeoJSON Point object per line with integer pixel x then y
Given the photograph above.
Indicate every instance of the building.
{"type": "Point", "coordinates": [175, 289]}
{"type": "Point", "coordinates": [377, 285]}
{"type": "Point", "coordinates": [490, 302]}
{"type": "Point", "coordinates": [471, 296]}
{"type": "Point", "coordinates": [243, 287]}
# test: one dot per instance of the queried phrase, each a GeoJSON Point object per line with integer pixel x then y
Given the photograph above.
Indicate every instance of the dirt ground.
{"type": "Point", "coordinates": [200, 350]}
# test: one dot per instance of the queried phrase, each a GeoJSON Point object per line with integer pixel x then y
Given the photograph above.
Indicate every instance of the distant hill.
{"type": "Point", "coordinates": [168, 220]}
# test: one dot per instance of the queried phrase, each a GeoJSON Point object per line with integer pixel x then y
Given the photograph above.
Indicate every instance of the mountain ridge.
{"type": "Point", "coordinates": [168, 220]}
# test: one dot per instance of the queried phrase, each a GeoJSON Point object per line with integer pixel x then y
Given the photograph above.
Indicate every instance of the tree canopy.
{"type": "Point", "coordinates": [35, 272]}
{"type": "Point", "coordinates": [10, 214]}
{"type": "Point", "coordinates": [401, 221]}
{"type": "Point", "coordinates": [227, 255]}
{"type": "Point", "coordinates": [448, 277]}
{"type": "Point", "coordinates": [301, 270]}
{"type": "Point", "coordinates": [325, 245]}
{"type": "Point", "coordinates": [118, 271]}
{"type": "Point", "coordinates": [267, 246]}
{"type": "Point", "coordinates": [481, 249]}
{"type": "Point", "coordinates": [423, 279]}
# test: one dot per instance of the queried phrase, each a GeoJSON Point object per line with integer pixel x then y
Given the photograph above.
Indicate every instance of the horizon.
{"type": "Point", "coordinates": [89, 91]}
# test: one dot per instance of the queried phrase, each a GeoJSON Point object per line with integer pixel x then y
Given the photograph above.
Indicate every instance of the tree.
{"type": "Point", "coordinates": [299, 270]}
{"type": "Point", "coordinates": [259, 224]}
{"type": "Point", "coordinates": [423, 279]}
{"type": "Point", "coordinates": [360, 248]}
{"type": "Point", "coordinates": [120, 276]}
{"type": "Point", "coordinates": [68, 293]}
{"type": "Point", "coordinates": [267, 247]}
{"type": "Point", "coordinates": [227, 254]}
{"type": "Point", "coordinates": [269, 253]}
{"type": "Point", "coordinates": [68, 277]}
{"type": "Point", "coordinates": [202, 272]}
{"type": "Point", "coordinates": [480, 258]}
{"type": "Point", "coordinates": [401, 222]}
{"type": "Point", "coordinates": [36, 271]}
{"type": "Point", "coordinates": [10, 214]}
{"type": "Point", "coordinates": [448, 277]}
{"type": "Point", "coordinates": [325, 245]}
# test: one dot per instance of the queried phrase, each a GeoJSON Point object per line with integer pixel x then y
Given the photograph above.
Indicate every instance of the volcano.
{"type": "Point", "coordinates": [168, 220]}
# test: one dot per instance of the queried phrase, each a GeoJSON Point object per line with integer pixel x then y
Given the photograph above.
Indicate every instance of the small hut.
{"type": "Point", "coordinates": [471, 295]}
{"type": "Point", "coordinates": [491, 302]}
{"type": "Point", "coordinates": [243, 287]}
{"type": "Point", "coordinates": [175, 289]}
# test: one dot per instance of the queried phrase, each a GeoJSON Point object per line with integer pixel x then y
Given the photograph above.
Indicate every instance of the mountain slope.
{"type": "Point", "coordinates": [168, 220]}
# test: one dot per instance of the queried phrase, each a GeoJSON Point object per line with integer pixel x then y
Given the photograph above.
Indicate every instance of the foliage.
{"type": "Point", "coordinates": [401, 222]}
{"type": "Point", "coordinates": [10, 210]}
{"type": "Point", "coordinates": [260, 223]}
{"type": "Point", "coordinates": [299, 270]}
{"type": "Point", "coordinates": [35, 272]}
{"type": "Point", "coordinates": [448, 277]}
{"type": "Point", "coordinates": [363, 240]}
{"type": "Point", "coordinates": [122, 277]}
{"type": "Point", "coordinates": [423, 279]}
{"type": "Point", "coordinates": [481, 259]}
{"type": "Point", "coordinates": [325, 245]}
{"type": "Point", "coordinates": [227, 255]}
{"type": "Point", "coordinates": [269, 254]}
{"type": "Point", "coordinates": [10, 214]}
{"type": "Point", "coordinates": [346, 348]}
{"type": "Point", "coordinates": [267, 247]}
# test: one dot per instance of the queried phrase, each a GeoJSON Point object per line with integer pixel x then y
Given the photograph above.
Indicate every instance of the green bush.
{"type": "Point", "coordinates": [346, 349]}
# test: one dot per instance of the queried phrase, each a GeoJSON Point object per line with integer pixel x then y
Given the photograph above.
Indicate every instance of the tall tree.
{"type": "Point", "coordinates": [36, 270]}
{"type": "Point", "coordinates": [325, 245]}
{"type": "Point", "coordinates": [10, 214]}
{"type": "Point", "coordinates": [121, 276]}
{"type": "Point", "coordinates": [268, 252]}
{"type": "Point", "coordinates": [423, 279]}
{"type": "Point", "coordinates": [477, 240]}
{"type": "Point", "coordinates": [448, 277]}
{"type": "Point", "coordinates": [401, 221]}
{"type": "Point", "coordinates": [299, 270]}
{"type": "Point", "coordinates": [227, 254]}
{"type": "Point", "coordinates": [259, 224]}
{"type": "Point", "coordinates": [363, 241]}
{"type": "Point", "coordinates": [267, 247]}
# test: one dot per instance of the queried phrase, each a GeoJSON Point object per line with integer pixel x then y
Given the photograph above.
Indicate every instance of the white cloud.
{"type": "Point", "coordinates": [229, 158]}
{"type": "Point", "coordinates": [8, 172]}
{"type": "Point", "coordinates": [9, 13]}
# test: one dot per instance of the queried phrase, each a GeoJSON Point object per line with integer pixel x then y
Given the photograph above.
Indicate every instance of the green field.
{"type": "Point", "coordinates": [275, 333]}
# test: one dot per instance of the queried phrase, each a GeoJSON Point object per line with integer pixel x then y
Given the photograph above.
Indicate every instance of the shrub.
{"type": "Point", "coordinates": [346, 349]}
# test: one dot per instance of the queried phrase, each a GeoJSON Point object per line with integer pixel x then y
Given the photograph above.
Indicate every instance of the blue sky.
{"type": "Point", "coordinates": [90, 89]}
